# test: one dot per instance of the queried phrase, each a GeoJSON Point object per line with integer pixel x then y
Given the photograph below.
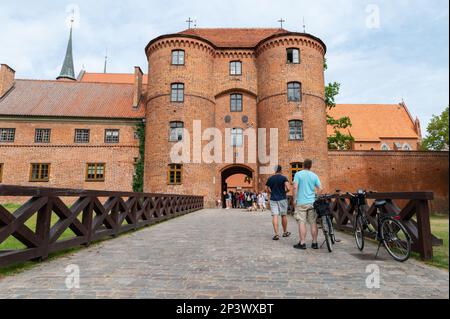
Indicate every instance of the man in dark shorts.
{"type": "Point", "coordinates": [278, 187]}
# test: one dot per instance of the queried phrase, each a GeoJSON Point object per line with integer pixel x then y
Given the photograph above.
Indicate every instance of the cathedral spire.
{"type": "Point", "coordinates": [67, 70]}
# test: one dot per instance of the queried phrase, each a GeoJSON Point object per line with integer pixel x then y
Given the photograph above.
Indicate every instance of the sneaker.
{"type": "Point", "coordinates": [300, 246]}
{"type": "Point", "coordinates": [315, 246]}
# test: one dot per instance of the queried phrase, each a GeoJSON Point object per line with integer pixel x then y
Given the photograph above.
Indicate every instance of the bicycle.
{"type": "Point", "coordinates": [325, 217]}
{"type": "Point", "coordinates": [389, 232]}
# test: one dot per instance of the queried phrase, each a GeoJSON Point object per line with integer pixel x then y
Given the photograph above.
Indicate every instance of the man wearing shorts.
{"type": "Point", "coordinates": [306, 183]}
{"type": "Point", "coordinates": [278, 187]}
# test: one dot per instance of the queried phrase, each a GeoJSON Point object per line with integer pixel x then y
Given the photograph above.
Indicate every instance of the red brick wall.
{"type": "Point", "coordinates": [392, 172]}
{"type": "Point", "coordinates": [68, 160]}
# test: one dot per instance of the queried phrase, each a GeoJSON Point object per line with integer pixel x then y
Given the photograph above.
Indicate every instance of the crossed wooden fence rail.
{"type": "Point", "coordinates": [415, 216]}
{"type": "Point", "coordinates": [88, 218]}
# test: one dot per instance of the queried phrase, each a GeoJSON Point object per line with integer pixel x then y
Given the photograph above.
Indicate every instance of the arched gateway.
{"type": "Point", "coordinates": [232, 170]}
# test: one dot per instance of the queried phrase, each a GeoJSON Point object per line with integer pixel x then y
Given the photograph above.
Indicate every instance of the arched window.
{"type": "Point", "coordinates": [177, 57]}
{"type": "Point", "coordinates": [236, 102]}
{"type": "Point", "coordinates": [176, 131]}
{"type": "Point", "coordinates": [293, 56]}
{"type": "Point", "coordinates": [177, 92]}
{"type": "Point", "coordinates": [295, 168]}
{"type": "Point", "coordinates": [295, 130]}
{"type": "Point", "coordinates": [294, 91]}
{"type": "Point", "coordinates": [237, 137]}
{"type": "Point", "coordinates": [385, 147]}
{"type": "Point", "coordinates": [407, 147]}
{"type": "Point", "coordinates": [235, 68]}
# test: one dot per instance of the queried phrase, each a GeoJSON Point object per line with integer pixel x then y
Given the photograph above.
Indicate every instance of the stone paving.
{"type": "Point", "coordinates": [224, 254]}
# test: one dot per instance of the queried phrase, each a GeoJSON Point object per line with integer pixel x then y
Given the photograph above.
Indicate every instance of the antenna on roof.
{"type": "Point", "coordinates": [304, 25]}
{"type": "Point", "coordinates": [189, 21]}
{"type": "Point", "coordinates": [281, 22]}
{"type": "Point", "coordinates": [195, 22]}
{"type": "Point", "coordinates": [106, 61]}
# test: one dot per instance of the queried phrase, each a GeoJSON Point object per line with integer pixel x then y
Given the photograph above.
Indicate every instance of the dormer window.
{"type": "Point", "coordinates": [235, 68]}
{"type": "Point", "coordinates": [293, 56]}
{"type": "Point", "coordinates": [177, 57]}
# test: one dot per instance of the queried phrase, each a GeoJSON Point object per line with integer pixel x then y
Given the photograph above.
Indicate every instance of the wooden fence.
{"type": "Point", "coordinates": [415, 216]}
{"type": "Point", "coordinates": [94, 215]}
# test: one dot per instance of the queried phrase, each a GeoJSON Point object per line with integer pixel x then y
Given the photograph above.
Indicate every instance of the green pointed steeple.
{"type": "Point", "coordinates": [67, 70]}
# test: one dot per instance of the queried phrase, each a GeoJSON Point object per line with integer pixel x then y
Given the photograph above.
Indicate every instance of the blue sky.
{"type": "Point", "coordinates": [403, 54]}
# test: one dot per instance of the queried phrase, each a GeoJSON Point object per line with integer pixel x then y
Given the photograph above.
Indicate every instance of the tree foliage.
{"type": "Point", "coordinates": [338, 140]}
{"type": "Point", "coordinates": [437, 138]}
{"type": "Point", "coordinates": [138, 177]}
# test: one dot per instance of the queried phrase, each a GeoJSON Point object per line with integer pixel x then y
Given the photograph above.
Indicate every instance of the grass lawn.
{"type": "Point", "coordinates": [439, 227]}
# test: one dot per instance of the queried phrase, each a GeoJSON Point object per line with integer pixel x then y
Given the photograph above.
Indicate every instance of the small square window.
{"type": "Point", "coordinates": [235, 68]}
{"type": "Point", "coordinates": [42, 135]}
{"type": "Point", "coordinates": [293, 56]}
{"type": "Point", "coordinates": [39, 172]}
{"type": "Point", "coordinates": [82, 136]}
{"type": "Point", "coordinates": [112, 136]}
{"type": "Point", "coordinates": [177, 93]}
{"type": "Point", "coordinates": [174, 174]}
{"type": "Point", "coordinates": [177, 57]}
{"type": "Point", "coordinates": [7, 135]}
{"type": "Point", "coordinates": [95, 172]}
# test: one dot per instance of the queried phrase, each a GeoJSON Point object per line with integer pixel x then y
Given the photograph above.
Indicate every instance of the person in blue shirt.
{"type": "Point", "coordinates": [306, 185]}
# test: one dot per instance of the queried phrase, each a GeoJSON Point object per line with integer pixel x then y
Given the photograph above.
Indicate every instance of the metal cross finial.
{"type": "Point", "coordinates": [281, 22]}
{"type": "Point", "coordinates": [189, 21]}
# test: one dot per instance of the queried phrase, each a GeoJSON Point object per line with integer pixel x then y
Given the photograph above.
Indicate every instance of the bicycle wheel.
{"type": "Point", "coordinates": [396, 239]}
{"type": "Point", "coordinates": [326, 233]}
{"type": "Point", "coordinates": [331, 230]}
{"type": "Point", "coordinates": [359, 232]}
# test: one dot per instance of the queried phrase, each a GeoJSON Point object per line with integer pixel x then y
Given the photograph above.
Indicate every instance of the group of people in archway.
{"type": "Point", "coordinates": [249, 200]}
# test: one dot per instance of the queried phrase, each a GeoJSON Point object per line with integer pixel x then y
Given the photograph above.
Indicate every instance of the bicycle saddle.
{"type": "Point", "coordinates": [380, 203]}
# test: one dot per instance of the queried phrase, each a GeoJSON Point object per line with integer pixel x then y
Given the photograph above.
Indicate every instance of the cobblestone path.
{"type": "Point", "coordinates": [223, 254]}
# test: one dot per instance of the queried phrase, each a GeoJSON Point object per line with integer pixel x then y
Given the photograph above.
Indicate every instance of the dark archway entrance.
{"type": "Point", "coordinates": [230, 171]}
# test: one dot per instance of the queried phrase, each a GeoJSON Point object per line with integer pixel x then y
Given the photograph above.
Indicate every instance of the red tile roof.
{"type": "Point", "coordinates": [70, 99]}
{"type": "Point", "coordinates": [234, 37]}
{"type": "Point", "coordinates": [372, 122]}
{"type": "Point", "coordinates": [122, 78]}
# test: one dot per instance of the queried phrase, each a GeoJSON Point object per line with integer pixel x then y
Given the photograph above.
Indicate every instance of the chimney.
{"type": "Point", "coordinates": [137, 86]}
{"type": "Point", "coordinates": [7, 76]}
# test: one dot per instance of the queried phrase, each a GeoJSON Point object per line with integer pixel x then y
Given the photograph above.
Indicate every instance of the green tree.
{"type": "Point", "coordinates": [338, 140]}
{"type": "Point", "coordinates": [138, 177]}
{"type": "Point", "coordinates": [437, 138]}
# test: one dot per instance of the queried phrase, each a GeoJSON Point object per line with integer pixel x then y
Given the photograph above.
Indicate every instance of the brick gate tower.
{"type": "Point", "coordinates": [233, 80]}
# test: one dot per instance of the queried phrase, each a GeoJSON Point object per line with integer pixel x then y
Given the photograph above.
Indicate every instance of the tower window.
{"type": "Point", "coordinates": [95, 172]}
{"type": "Point", "coordinates": [7, 135]}
{"type": "Point", "coordinates": [236, 102]}
{"type": "Point", "coordinates": [295, 168]}
{"type": "Point", "coordinates": [295, 130]}
{"type": "Point", "coordinates": [176, 131]}
{"type": "Point", "coordinates": [294, 92]}
{"type": "Point", "coordinates": [235, 68]}
{"type": "Point", "coordinates": [293, 56]}
{"type": "Point", "coordinates": [82, 136]}
{"type": "Point", "coordinates": [174, 174]}
{"type": "Point", "coordinates": [237, 137]}
{"type": "Point", "coordinates": [177, 94]}
{"type": "Point", "coordinates": [42, 135]}
{"type": "Point", "coordinates": [112, 136]}
{"type": "Point", "coordinates": [39, 172]}
{"type": "Point", "coordinates": [177, 57]}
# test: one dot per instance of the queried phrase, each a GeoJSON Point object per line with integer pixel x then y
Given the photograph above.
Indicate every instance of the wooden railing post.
{"type": "Point", "coordinates": [43, 222]}
{"type": "Point", "coordinates": [87, 220]}
{"type": "Point", "coordinates": [424, 230]}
